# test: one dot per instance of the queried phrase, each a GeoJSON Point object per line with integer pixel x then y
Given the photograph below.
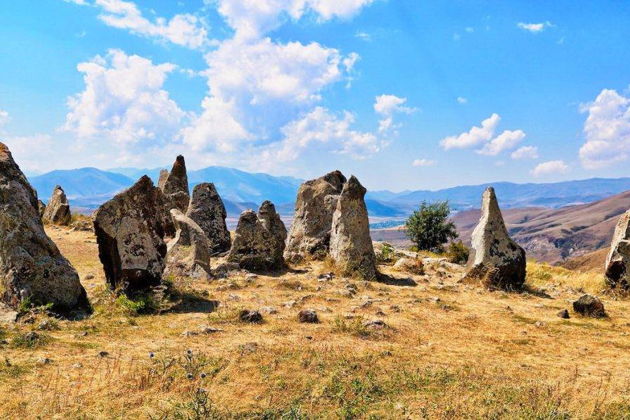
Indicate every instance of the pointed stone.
{"type": "Point", "coordinates": [175, 186]}
{"type": "Point", "coordinates": [188, 253]}
{"type": "Point", "coordinates": [259, 240]}
{"type": "Point", "coordinates": [162, 179]}
{"type": "Point", "coordinates": [207, 210]}
{"type": "Point", "coordinates": [350, 243]}
{"type": "Point", "coordinates": [495, 258]}
{"type": "Point", "coordinates": [31, 266]}
{"type": "Point", "coordinates": [310, 232]}
{"type": "Point", "coordinates": [58, 209]}
{"type": "Point", "coordinates": [129, 230]}
{"type": "Point", "coordinates": [618, 261]}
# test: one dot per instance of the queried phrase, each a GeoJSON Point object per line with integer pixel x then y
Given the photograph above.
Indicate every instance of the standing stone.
{"type": "Point", "coordinates": [495, 258]}
{"type": "Point", "coordinates": [31, 266]}
{"type": "Point", "coordinates": [350, 243]}
{"type": "Point", "coordinates": [618, 261]}
{"type": "Point", "coordinates": [41, 207]}
{"type": "Point", "coordinates": [310, 232]}
{"type": "Point", "coordinates": [259, 240]}
{"type": "Point", "coordinates": [129, 230]}
{"type": "Point", "coordinates": [175, 186]}
{"type": "Point", "coordinates": [162, 179]}
{"type": "Point", "coordinates": [188, 253]}
{"type": "Point", "coordinates": [58, 210]}
{"type": "Point", "coordinates": [207, 210]}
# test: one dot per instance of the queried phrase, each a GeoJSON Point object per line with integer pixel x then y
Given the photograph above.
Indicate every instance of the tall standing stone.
{"type": "Point", "coordinates": [31, 266]}
{"type": "Point", "coordinates": [618, 261]}
{"type": "Point", "coordinates": [58, 209]}
{"type": "Point", "coordinates": [129, 230]}
{"type": "Point", "coordinates": [175, 186]}
{"type": "Point", "coordinates": [207, 210]}
{"type": "Point", "coordinates": [259, 240]}
{"type": "Point", "coordinates": [495, 258]}
{"type": "Point", "coordinates": [188, 254]}
{"type": "Point", "coordinates": [163, 177]}
{"type": "Point", "coordinates": [310, 232]}
{"type": "Point", "coordinates": [350, 242]}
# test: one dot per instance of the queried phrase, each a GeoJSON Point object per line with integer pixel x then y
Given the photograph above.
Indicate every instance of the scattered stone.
{"type": "Point", "coordinates": [129, 230]}
{"type": "Point", "coordinates": [175, 186]}
{"type": "Point", "coordinates": [590, 306]}
{"type": "Point", "coordinates": [259, 240]}
{"type": "Point", "coordinates": [495, 258]}
{"type": "Point", "coordinates": [376, 324]}
{"type": "Point", "coordinates": [289, 304]}
{"type": "Point", "coordinates": [188, 254]}
{"type": "Point", "coordinates": [31, 266]}
{"type": "Point", "coordinates": [47, 325]}
{"type": "Point", "coordinates": [315, 204]}
{"type": "Point", "coordinates": [270, 310]}
{"type": "Point", "coordinates": [207, 210]}
{"type": "Point", "coordinates": [77, 366]}
{"type": "Point", "coordinates": [44, 361]}
{"type": "Point", "coordinates": [618, 260]}
{"type": "Point", "coordinates": [248, 348]}
{"type": "Point", "coordinates": [58, 210]}
{"type": "Point", "coordinates": [395, 308]}
{"type": "Point", "coordinates": [251, 316]}
{"type": "Point", "coordinates": [103, 354]}
{"type": "Point", "coordinates": [308, 316]}
{"type": "Point", "coordinates": [564, 314]}
{"type": "Point", "coordinates": [350, 243]}
{"type": "Point", "coordinates": [250, 277]}
{"type": "Point", "coordinates": [410, 265]}
{"type": "Point", "coordinates": [326, 277]}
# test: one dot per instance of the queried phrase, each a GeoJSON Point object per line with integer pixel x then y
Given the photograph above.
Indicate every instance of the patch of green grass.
{"type": "Point", "coordinates": [30, 340]}
{"type": "Point", "coordinates": [354, 326]}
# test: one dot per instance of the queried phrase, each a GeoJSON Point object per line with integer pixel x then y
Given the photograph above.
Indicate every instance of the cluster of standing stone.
{"type": "Point", "coordinates": [618, 260]}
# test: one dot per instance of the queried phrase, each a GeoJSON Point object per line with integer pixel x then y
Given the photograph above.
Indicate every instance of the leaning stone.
{"type": "Point", "coordinates": [175, 186]}
{"type": "Point", "coordinates": [129, 231]}
{"type": "Point", "coordinates": [188, 253]}
{"type": "Point", "coordinates": [495, 258]}
{"type": "Point", "coordinates": [207, 210]}
{"type": "Point", "coordinates": [310, 232]}
{"type": "Point", "coordinates": [350, 243]}
{"type": "Point", "coordinates": [589, 306]}
{"type": "Point", "coordinates": [259, 240]}
{"type": "Point", "coordinates": [31, 266]}
{"type": "Point", "coordinates": [618, 261]}
{"type": "Point", "coordinates": [58, 210]}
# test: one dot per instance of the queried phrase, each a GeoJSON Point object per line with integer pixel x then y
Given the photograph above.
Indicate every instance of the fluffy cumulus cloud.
{"type": "Point", "coordinates": [525, 152]}
{"type": "Point", "coordinates": [504, 141]}
{"type": "Point", "coordinates": [534, 27]}
{"type": "Point", "coordinates": [606, 130]}
{"type": "Point", "coordinates": [423, 162]}
{"type": "Point", "coordinates": [475, 136]}
{"type": "Point", "coordinates": [124, 101]}
{"type": "Point", "coordinates": [388, 105]}
{"type": "Point", "coordinates": [183, 29]}
{"type": "Point", "coordinates": [552, 167]}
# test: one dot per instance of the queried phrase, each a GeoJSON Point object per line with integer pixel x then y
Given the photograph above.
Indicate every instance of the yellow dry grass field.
{"type": "Point", "coordinates": [447, 350]}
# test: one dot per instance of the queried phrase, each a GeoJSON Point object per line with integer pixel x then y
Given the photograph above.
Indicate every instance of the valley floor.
{"type": "Point", "coordinates": [448, 351]}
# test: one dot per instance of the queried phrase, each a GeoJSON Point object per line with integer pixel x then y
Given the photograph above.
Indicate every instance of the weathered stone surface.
{"type": "Point", "coordinates": [410, 265]}
{"type": "Point", "coordinates": [58, 210]}
{"type": "Point", "coordinates": [175, 186]}
{"type": "Point", "coordinates": [350, 243]}
{"type": "Point", "coordinates": [564, 314]}
{"type": "Point", "coordinates": [41, 207]}
{"type": "Point", "coordinates": [188, 253]}
{"type": "Point", "coordinates": [618, 261]}
{"type": "Point", "coordinates": [259, 240]}
{"type": "Point", "coordinates": [308, 316]}
{"type": "Point", "coordinates": [207, 210]}
{"type": "Point", "coordinates": [129, 230]}
{"type": "Point", "coordinates": [163, 177]}
{"type": "Point", "coordinates": [495, 258]}
{"type": "Point", "coordinates": [31, 266]}
{"type": "Point", "coordinates": [310, 232]}
{"type": "Point", "coordinates": [253, 317]}
{"type": "Point", "coordinates": [590, 306]}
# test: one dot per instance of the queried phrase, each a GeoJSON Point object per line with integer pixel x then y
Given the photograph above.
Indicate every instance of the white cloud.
{"type": "Point", "coordinates": [183, 29]}
{"type": "Point", "coordinates": [33, 153]}
{"type": "Point", "coordinates": [462, 100]}
{"type": "Point", "coordinates": [525, 152]}
{"type": "Point", "coordinates": [473, 137]}
{"type": "Point", "coordinates": [387, 106]}
{"type": "Point", "coordinates": [551, 167]}
{"type": "Point", "coordinates": [607, 130]}
{"type": "Point", "coordinates": [534, 27]}
{"type": "Point", "coordinates": [4, 118]}
{"type": "Point", "coordinates": [364, 36]}
{"type": "Point", "coordinates": [124, 101]}
{"type": "Point", "coordinates": [323, 128]}
{"type": "Point", "coordinates": [423, 162]}
{"type": "Point", "coordinates": [504, 141]}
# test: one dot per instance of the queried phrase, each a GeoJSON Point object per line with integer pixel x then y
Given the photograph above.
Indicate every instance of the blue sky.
{"type": "Point", "coordinates": [405, 94]}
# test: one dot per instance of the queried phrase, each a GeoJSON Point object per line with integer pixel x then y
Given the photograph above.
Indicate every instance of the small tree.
{"type": "Point", "coordinates": [429, 227]}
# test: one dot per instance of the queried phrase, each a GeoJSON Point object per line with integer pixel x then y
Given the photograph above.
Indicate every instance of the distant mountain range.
{"type": "Point", "coordinates": [87, 188]}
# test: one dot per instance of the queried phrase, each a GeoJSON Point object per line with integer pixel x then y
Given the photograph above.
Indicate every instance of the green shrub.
{"type": "Point", "coordinates": [429, 228]}
{"type": "Point", "coordinates": [458, 253]}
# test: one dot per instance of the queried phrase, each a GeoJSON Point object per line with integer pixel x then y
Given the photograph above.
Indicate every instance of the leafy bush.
{"type": "Point", "coordinates": [386, 254]}
{"type": "Point", "coordinates": [428, 227]}
{"type": "Point", "coordinates": [458, 253]}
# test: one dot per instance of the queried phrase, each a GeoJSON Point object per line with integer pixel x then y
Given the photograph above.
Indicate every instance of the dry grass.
{"type": "Point", "coordinates": [449, 351]}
